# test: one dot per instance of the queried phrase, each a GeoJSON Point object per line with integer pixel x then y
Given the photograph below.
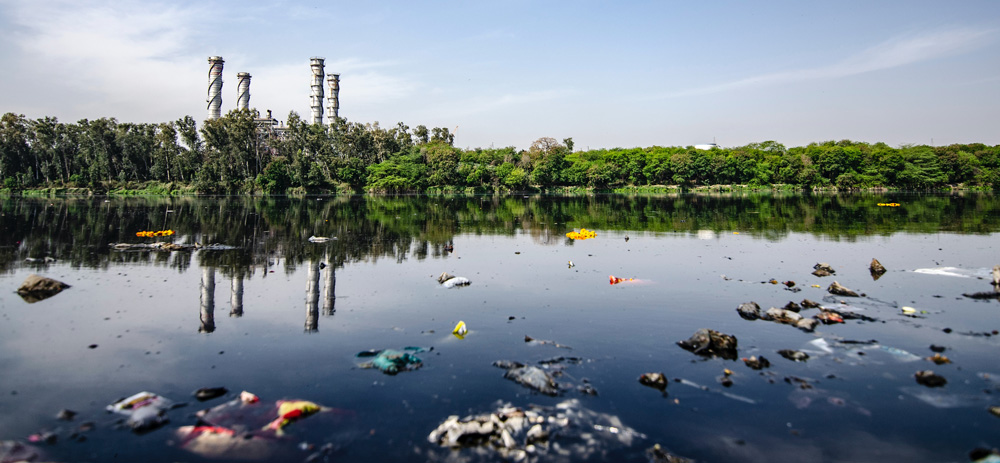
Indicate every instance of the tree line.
{"type": "Point", "coordinates": [237, 153]}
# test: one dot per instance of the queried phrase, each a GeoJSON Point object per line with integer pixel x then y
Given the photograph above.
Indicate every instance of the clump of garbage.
{"type": "Point", "coordinates": [145, 410]}
{"type": "Point", "coordinates": [391, 361]}
{"type": "Point", "coordinates": [711, 343]}
{"type": "Point", "coordinates": [247, 428]}
{"type": "Point", "coordinates": [448, 280]}
{"type": "Point", "coordinates": [616, 280]}
{"type": "Point", "coordinates": [529, 376]}
{"type": "Point", "coordinates": [14, 451]}
{"type": "Point", "coordinates": [567, 431]}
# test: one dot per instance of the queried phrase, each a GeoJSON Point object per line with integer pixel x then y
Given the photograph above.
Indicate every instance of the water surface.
{"type": "Point", "coordinates": [283, 317]}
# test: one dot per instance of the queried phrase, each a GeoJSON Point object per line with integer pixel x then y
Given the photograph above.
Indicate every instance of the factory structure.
{"type": "Point", "coordinates": [268, 123]}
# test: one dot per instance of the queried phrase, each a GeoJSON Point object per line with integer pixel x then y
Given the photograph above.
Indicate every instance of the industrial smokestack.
{"type": "Point", "coordinates": [334, 100]}
{"type": "Point", "coordinates": [243, 86]}
{"type": "Point", "coordinates": [317, 89]}
{"type": "Point", "coordinates": [215, 87]}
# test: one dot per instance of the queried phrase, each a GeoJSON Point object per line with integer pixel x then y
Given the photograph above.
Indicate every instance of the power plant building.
{"type": "Point", "coordinates": [316, 65]}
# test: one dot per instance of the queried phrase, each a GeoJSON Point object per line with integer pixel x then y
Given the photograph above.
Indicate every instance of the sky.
{"type": "Point", "coordinates": [607, 74]}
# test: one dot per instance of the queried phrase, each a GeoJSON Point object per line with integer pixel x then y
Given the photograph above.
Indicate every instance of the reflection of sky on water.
{"type": "Point", "coordinates": [149, 323]}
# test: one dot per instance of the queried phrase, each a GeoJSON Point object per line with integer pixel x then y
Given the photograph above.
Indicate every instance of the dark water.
{"type": "Point", "coordinates": [294, 332]}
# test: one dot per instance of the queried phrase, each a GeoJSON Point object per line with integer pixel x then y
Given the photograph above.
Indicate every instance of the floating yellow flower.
{"type": "Point", "coordinates": [151, 234]}
{"type": "Point", "coordinates": [583, 234]}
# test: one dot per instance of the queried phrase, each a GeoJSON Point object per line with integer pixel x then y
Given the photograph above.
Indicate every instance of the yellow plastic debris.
{"type": "Point", "coordinates": [460, 330]}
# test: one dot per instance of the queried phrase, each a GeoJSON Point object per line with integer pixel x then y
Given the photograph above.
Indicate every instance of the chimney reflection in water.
{"type": "Point", "coordinates": [237, 297]}
{"type": "Point", "coordinates": [312, 298]}
{"type": "Point", "coordinates": [207, 300]}
{"type": "Point", "coordinates": [328, 289]}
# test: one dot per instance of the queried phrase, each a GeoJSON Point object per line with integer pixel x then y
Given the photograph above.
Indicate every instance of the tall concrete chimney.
{"type": "Point", "coordinates": [333, 81]}
{"type": "Point", "coordinates": [243, 86]}
{"type": "Point", "coordinates": [317, 89]}
{"type": "Point", "coordinates": [215, 87]}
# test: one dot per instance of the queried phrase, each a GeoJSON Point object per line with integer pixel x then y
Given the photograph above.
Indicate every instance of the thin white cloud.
{"type": "Point", "coordinates": [96, 59]}
{"type": "Point", "coordinates": [896, 52]}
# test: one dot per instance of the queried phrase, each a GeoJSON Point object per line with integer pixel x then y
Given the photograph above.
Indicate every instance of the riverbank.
{"type": "Point", "coordinates": [182, 189]}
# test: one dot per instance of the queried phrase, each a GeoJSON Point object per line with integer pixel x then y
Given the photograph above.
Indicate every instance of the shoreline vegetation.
{"type": "Point", "coordinates": [240, 153]}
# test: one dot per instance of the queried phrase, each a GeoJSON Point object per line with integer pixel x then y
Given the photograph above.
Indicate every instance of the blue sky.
{"type": "Point", "coordinates": [607, 74]}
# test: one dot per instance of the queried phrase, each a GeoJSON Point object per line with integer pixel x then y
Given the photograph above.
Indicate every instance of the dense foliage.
{"type": "Point", "coordinates": [237, 154]}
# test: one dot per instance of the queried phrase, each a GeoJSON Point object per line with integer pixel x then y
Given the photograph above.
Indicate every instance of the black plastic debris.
{"type": "Point", "coordinates": [757, 363]}
{"type": "Point", "coordinates": [984, 455]}
{"type": "Point", "coordinates": [209, 393]}
{"type": "Point", "coordinates": [983, 295]}
{"type": "Point", "coordinates": [930, 379]}
{"type": "Point", "coordinates": [711, 343]}
{"type": "Point", "coordinates": [657, 454]}
{"type": "Point", "coordinates": [653, 380]}
{"type": "Point", "coordinates": [794, 355]}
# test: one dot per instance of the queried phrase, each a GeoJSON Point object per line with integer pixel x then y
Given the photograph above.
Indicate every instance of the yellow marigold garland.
{"type": "Point", "coordinates": [151, 234]}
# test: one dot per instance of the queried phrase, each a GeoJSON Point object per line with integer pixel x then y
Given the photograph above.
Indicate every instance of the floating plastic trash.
{"type": "Point", "coordinates": [583, 234]}
{"type": "Point", "coordinates": [532, 340]}
{"type": "Point", "coordinates": [615, 280]}
{"type": "Point", "coordinates": [152, 234]}
{"type": "Point", "coordinates": [391, 361]}
{"type": "Point", "coordinates": [319, 239]}
{"type": "Point", "coordinates": [14, 451]}
{"type": "Point", "coordinates": [888, 204]}
{"type": "Point", "coordinates": [460, 330]}
{"type": "Point", "coordinates": [529, 376]}
{"type": "Point", "coordinates": [448, 280]}
{"type": "Point", "coordinates": [290, 411]}
{"type": "Point", "coordinates": [564, 432]}
{"type": "Point", "coordinates": [145, 410]}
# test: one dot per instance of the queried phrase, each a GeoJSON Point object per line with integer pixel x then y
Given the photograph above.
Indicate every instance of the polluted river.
{"type": "Point", "coordinates": [695, 327]}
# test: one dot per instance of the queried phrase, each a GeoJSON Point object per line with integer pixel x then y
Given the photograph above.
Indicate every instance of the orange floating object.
{"type": "Point", "coordinates": [615, 280]}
